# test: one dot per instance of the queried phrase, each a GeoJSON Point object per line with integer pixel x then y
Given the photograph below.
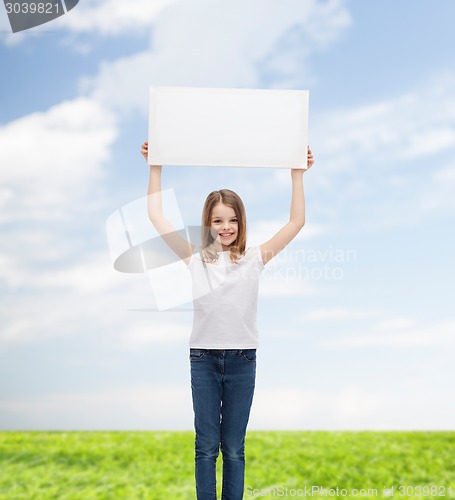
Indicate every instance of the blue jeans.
{"type": "Point", "coordinates": [222, 385]}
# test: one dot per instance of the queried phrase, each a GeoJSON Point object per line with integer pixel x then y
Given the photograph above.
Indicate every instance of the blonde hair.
{"type": "Point", "coordinates": [232, 200]}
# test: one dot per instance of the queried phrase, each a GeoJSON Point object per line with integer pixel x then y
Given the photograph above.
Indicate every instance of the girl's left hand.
{"type": "Point", "coordinates": [310, 161]}
{"type": "Point", "coordinates": [310, 158]}
{"type": "Point", "coordinates": [145, 150]}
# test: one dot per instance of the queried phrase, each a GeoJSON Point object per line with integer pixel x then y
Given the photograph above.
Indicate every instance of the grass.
{"type": "Point", "coordinates": [160, 465]}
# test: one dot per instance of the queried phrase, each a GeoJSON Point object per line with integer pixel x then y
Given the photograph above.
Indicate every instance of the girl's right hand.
{"type": "Point", "coordinates": [145, 150]}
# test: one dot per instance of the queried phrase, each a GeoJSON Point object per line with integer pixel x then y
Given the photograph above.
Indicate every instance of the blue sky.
{"type": "Point", "coordinates": [355, 322]}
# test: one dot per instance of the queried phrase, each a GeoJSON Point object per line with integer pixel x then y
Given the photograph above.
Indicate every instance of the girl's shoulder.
{"type": "Point", "coordinates": [254, 254]}
{"type": "Point", "coordinates": [249, 252]}
{"type": "Point", "coordinates": [195, 258]}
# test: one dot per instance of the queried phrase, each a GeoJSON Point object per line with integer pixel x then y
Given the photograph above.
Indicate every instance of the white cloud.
{"type": "Point", "coordinates": [416, 201]}
{"type": "Point", "coordinates": [26, 321]}
{"type": "Point", "coordinates": [340, 313]}
{"type": "Point", "coordinates": [438, 196]}
{"type": "Point", "coordinates": [52, 163]}
{"type": "Point", "coordinates": [218, 44]}
{"type": "Point", "coordinates": [67, 305]}
{"type": "Point", "coordinates": [398, 334]}
{"type": "Point", "coordinates": [86, 130]}
{"type": "Point", "coordinates": [73, 298]}
{"type": "Point", "coordinates": [51, 160]}
{"type": "Point", "coordinates": [383, 151]}
{"type": "Point", "coordinates": [113, 17]}
{"type": "Point", "coordinates": [445, 175]}
{"type": "Point", "coordinates": [351, 407]}
{"type": "Point", "coordinates": [159, 332]}
{"type": "Point", "coordinates": [110, 18]}
{"type": "Point", "coordinates": [395, 324]}
{"type": "Point", "coordinates": [169, 407]}
{"type": "Point", "coordinates": [7, 37]}
{"type": "Point", "coordinates": [379, 135]}
{"type": "Point", "coordinates": [213, 46]}
{"type": "Point", "coordinates": [91, 274]}
{"type": "Point", "coordinates": [138, 407]}
{"type": "Point", "coordinates": [383, 330]}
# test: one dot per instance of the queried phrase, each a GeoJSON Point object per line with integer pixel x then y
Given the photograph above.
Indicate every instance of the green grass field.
{"type": "Point", "coordinates": [160, 465]}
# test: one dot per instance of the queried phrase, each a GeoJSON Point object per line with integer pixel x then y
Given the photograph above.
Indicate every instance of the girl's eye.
{"type": "Point", "coordinates": [233, 220]}
{"type": "Point", "coordinates": [216, 221]}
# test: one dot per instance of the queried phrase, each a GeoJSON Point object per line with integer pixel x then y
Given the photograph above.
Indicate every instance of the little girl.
{"type": "Point", "coordinates": [224, 337]}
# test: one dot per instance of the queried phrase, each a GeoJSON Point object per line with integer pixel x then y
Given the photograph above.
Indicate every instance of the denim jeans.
{"type": "Point", "coordinates": [222, 385]}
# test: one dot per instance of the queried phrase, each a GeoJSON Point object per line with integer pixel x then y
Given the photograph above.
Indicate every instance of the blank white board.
{"type": "Point", "coordinates": [228, 127]}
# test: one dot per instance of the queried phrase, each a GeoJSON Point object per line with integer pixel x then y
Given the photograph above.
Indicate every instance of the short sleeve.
{"type": "Point", "coordinates": [256, 257]}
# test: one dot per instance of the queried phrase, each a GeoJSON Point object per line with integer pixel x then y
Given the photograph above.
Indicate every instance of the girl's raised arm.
{"type": "Point", "coordinates": [175, 242]}
{"type": "Point", "coordinates": [296, 218]}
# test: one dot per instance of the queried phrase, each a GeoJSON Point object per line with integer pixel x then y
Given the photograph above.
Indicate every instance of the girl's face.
{"type": "Point", "coordinates": [224, 225]}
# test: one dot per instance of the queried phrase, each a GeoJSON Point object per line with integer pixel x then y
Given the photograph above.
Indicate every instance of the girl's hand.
{"type": "Point", "coordinates": [310, 161]}
{"type": "Point", "coordinates": [310, 158]}
{"type": "Point", "coordinates": [145, 150]}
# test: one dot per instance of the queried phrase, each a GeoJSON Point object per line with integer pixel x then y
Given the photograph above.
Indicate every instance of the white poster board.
{"type": "Point", "coordinates": [228, 127]}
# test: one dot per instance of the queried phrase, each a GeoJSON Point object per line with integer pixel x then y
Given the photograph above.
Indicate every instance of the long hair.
{"type": "Point", "coordinates": [232, 200]}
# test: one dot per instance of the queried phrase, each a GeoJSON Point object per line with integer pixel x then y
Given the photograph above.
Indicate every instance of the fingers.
{"type": "Point", "coordinates": [145, 148]}
{"type": "Point", "coordinates": [310, 158]}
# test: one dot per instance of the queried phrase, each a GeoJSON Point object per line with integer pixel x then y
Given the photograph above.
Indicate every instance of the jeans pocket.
{"type": "Point", "coordinates": [196, 354]}
{"type": "Point", "coordinates": [249, 354]}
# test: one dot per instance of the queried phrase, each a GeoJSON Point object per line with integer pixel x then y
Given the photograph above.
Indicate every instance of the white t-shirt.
{"type": "Point", "coordinates": [225, 296]}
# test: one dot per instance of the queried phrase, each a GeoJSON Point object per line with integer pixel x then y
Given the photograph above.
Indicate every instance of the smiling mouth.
{"type": "Point", "coordinates": [225, 235]}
